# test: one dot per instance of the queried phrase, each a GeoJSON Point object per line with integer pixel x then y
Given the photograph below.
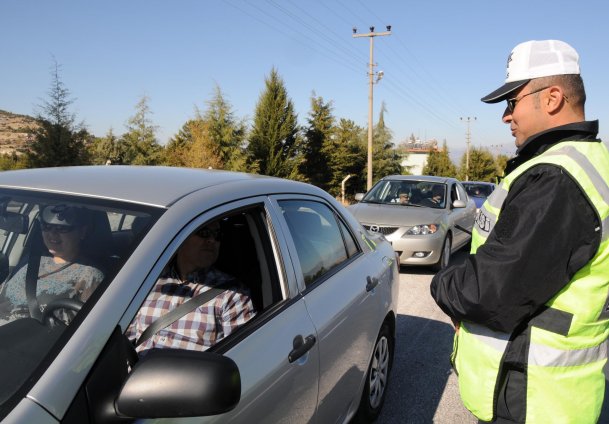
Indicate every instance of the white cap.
{"type": "Point", "coordinates": [535, 59]}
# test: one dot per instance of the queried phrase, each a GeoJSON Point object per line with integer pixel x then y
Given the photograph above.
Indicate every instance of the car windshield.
{"type": "Point", "coordinates": [58, 254]}
{"type": "Point", "coordinates": [407, 193]}
{"type": "Point", "coordinates": [478, 190]}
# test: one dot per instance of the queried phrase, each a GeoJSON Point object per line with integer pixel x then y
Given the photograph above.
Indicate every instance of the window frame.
{"type": "Point", "coordinates": [212, 214]}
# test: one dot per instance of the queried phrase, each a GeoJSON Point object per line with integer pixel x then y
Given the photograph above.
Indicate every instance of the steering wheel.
{"type": "Point", "coordinates": [48, 316]}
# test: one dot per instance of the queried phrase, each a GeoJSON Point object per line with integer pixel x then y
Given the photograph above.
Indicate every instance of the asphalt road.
{"type": "Point", "coordinates": [423, 387]}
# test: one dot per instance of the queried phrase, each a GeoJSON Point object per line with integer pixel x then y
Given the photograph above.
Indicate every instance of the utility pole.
{"type": "Point", "coordinates": [371, 82]}
{"type": "Point", "coordinates": [468, 140]}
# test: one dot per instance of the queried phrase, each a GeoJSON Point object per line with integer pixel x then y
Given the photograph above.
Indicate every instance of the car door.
{"type": "Point", "coordinates": [278, 369]}
{"type": "Point", "coordinates": [337, 281]}
{"type": "Point", "coordinates": [275, 387]}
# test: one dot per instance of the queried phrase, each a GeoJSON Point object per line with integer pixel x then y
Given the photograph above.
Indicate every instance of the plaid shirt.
{"type": "Point", "coordinates": [201, 328]}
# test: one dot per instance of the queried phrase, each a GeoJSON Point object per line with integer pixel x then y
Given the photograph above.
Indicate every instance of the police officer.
{"type": "Point", "coordinates": [530, 304]}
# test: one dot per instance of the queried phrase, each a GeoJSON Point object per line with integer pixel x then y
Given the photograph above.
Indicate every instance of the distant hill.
{"type": "Point", "coordinates": [14, 131]}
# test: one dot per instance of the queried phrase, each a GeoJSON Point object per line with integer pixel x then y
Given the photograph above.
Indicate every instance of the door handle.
{"type": "Point", "coordinates": [301, 346]}
{"type": "Point", "coordinates": [372, 282]}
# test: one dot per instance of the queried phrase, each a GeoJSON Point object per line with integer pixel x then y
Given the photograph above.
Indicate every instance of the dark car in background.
{"type": "Point", "coordinates": [478, 191]}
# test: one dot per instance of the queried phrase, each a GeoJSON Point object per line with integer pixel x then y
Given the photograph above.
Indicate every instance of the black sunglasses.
{"type": "Point", "coordinates": [62, 229]}
{"type": "Point", "coordinates": [207, 233]}
{"type": "Point", "coordinates": [514, 100]}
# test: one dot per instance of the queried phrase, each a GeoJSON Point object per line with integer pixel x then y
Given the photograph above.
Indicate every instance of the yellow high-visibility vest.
{"type": "Point", "coordinates": [568, 343]}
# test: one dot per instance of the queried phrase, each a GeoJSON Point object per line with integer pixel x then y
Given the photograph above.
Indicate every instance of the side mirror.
{"type": "Point", "coordinates": [179, 383]}
{"type": "Point", "coordinates": [359, 196]}
{"type": "Point", "coordinates": [459, 204]}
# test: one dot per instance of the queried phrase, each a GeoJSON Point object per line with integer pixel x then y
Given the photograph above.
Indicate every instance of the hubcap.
{"type": "Point", "coordinates": [379, 372]}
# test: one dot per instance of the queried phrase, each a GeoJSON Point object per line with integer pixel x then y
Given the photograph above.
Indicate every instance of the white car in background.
{"type": "Point", "coordinates": [421, 230]}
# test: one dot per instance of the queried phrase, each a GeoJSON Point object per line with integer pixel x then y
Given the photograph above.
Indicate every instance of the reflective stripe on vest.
{"type": "Point", "coordinates": [568, 340]}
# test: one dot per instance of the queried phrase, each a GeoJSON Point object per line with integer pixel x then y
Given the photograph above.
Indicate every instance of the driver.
{"type": "Point", "coordinates": [66, 273]}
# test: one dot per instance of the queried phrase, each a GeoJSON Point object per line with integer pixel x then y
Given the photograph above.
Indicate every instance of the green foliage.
{"type": "Point", "coordinates": [273, 147]}
{"type": "Point", "coordinates": [385, 157]}
{"type": "Point", "coordinates": [439, 163]}
{"type": "Point", "coordinates": [482, 166]}
{"type": "Point", "coordinates": [225, 133]}
{"type": "Point", "coordinates": [501, 162]}
{"type": "Point", "coordinates": [213, 139]}
{"type": "Point", "coordinates": [58, 141]}
{"type": "Point", "coordinates": [177, 149]}
{"type": "Point", "coordinates": [347, 156]}
{"type": "Point", "coordinates": [317, 145]}
{"type": "Point", "coordinates": [106, 150]}
{"type": "Point", "coordinates": [140, 144]}
{"type": "Point", "coordinates": [12, 161]}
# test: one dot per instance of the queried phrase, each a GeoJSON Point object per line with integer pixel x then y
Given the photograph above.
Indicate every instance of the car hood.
{"type": "Point", "coordinates": [395, 215]}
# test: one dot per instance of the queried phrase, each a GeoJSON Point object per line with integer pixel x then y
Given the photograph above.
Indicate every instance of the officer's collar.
{"type": "Point", "coordinates": [542, 141]}
{"type": "Point", "coordinates": [538, 143]}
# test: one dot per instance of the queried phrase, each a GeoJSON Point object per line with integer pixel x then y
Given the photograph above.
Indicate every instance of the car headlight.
{"type": "Point", "coordinates": [424, 229]}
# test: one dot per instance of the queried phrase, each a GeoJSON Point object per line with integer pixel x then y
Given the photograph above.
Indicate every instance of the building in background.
{"type": "Point", "coordinates": [415, 153]}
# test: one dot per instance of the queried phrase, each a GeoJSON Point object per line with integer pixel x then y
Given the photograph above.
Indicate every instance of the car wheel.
{"type": "Point", "coordinates": [377, 378]}
{"type": "Point", "coordinates": [445, 255]}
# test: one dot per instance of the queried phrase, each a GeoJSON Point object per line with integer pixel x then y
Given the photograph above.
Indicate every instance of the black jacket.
{"type": "Point", "coordinates": [546, 232]}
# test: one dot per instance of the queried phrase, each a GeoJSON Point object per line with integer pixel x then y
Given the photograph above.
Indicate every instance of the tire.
{"type": "Point", "coordinates": [445, 255]}
{"type": "Point", "coordinates": [377, 378]}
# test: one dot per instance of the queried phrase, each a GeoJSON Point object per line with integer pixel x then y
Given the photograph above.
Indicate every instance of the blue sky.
{"type": "Point", "coordinates": [441, 58]}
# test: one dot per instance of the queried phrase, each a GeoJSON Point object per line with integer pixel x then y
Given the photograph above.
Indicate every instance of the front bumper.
{"type": "Point", "coordinates": [417, 250]}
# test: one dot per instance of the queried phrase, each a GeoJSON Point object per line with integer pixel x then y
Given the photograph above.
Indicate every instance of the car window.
{"type": "Point", "coordinates": [228, 263]}
{"type": "Point", "coordinates": [59, 254]}
{"type": "Point", "coordinates": [317, 236]}
{"type": "Point", "coordinates": [453, 193]}
{"type": "Point", "coordinates": [479, 190]}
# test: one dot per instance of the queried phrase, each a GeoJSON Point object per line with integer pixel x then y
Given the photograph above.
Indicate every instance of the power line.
{"type": "Point", "coordinates": [352, 66]}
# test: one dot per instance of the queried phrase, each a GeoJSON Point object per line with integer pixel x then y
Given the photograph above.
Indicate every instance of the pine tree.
{"type": "Point", "coordinates": [317, 144]}
{"type": "Point", "coordinates": [106, 150]}
{"type": "Point", "coordinates": [347, 156]}
{"type": "Point", "coordinates": [176, 150]}
{"type": "Point", "coordinates": [225, 133]}
{"type": "Point", "coordinates": [385, 158]}
{"type": "Point", "coordinates": [203, 152]}
{"type": "Point", "coordinates": [273, 142]}
{"type": "Point", "coordinates": [58, 141]}
{"type": "Point", "coordinates": [213, 139]}
{"type": "Point", "coordinates": [140, 143]}
{"type": "Point", "coordinates": [482, 166]}
{"type": "Point", "coordinates": [439, 163]}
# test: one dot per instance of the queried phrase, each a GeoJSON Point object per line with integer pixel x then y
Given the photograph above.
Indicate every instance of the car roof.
{"type": "Point", "coordinates": [152, 185]}
{"type": "Point", "coordinates": [428, 178]}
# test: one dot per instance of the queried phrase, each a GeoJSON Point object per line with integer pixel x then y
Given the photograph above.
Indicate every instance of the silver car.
{"type": "Point", "coordinates": [425, 218]}
{"type": "Point", "coordinates": [318, 349]}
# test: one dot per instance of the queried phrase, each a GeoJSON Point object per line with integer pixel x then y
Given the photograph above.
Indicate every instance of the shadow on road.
{"type": "Point", "coordinates": [421, 369]}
